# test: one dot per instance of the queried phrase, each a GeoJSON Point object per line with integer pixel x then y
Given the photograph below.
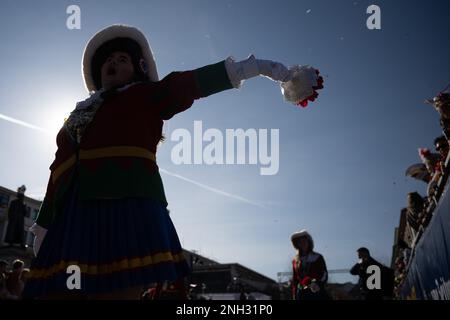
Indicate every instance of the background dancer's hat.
{"type": "Point", "coordinates": [117, 38]}
{"type": "Point", "coordinates": [299, 234]}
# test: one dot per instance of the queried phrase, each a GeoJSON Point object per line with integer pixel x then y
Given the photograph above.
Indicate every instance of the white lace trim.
{"type": "Point", "coordinates": [85, 111]}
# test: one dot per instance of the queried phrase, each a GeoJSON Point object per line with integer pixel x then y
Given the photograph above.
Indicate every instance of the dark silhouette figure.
{"type": "Point", "coordinates": [360, 269]}
{"type": "Point", "coordinates": [16, 215]}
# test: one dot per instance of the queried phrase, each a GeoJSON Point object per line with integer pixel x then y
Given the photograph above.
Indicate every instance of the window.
{"type": "Point", "coordinates": [35, 214]}
{"type": "Point", "coordinates": [4, 200]}
{"type": "Point", "coordinates": [27, 215]}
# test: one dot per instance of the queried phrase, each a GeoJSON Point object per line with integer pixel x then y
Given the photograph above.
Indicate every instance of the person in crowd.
{"type": "Point", "coordinates": [429, 159]}
{"type": "Point", "coordinates": [404, 250]}
{"type": "Point", "coordinates": [416, 210]}
{"type": "Point", "coordinates": [4, 276]}
{"type": "Point", "coordinates": [441, 103]}
{"type": "Point", "coordinates": [360, 269]}
{"type": "Point", "coordinates": [3, 267]}
{"type": "Point", "coordinates": [442, 146]}
{"type": "Point", "coordinates": [14, 283]}
{"type": "Point", "coordinates": [3, 290]}
{"type": "Point", "coordinates": [400, 269]}
{"type": "Point", "coordinates": [410, 229]}
{"type": "Point", "coordinates": [400, 273]}
{"type": "Point", "coordinates": [435, 162]}
{"type": "Point", "coordinates": [400, 264]}
{"type": "Point", "coordinates": [309, 271]}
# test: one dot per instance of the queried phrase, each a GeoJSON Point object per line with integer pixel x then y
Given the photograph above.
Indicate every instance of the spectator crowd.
{"type": "Point", "coordinates": [419, 210]}
{"type": "Point", "coordinates": [12, 279]}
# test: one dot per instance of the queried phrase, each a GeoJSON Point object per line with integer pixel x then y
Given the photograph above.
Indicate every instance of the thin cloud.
{"type": "Point", "coordinates": [201, 185]}
{"type": "Point", "coordinates": [23, 123]}
{"type": "Point", "coordinates": [221, 192]}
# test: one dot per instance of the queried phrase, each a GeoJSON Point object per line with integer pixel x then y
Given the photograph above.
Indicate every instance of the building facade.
{"type": "Point", "coordinates": [228, 280]}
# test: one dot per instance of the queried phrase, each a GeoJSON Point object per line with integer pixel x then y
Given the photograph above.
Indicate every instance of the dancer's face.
{"type": "Point", "coordinates": [117, 70]}
{"type": "Point", "coordinates": [303, 244]}
{"type": "Point", "coordinates": [362, 255]}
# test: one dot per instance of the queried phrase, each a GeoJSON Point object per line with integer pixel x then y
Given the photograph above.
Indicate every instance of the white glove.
{"type": "Point", "coordinates": [298, 83]}
{"type": "Point", "coordinates": [252, 67]}
{"type": "Point", "coordinates": [274, 70]}
{"type": "Point", "coordinates": [39, 235]}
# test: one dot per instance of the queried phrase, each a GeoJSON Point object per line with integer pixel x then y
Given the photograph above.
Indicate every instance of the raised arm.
{"type": "Point", "coordinates": [180, 89]}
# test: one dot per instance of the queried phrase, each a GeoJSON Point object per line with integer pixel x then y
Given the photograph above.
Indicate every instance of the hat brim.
{"type": "Point", "coordinates": [299, 234]}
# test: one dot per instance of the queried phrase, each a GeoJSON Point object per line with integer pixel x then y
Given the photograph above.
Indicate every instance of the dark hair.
{"type": "Point", "coordinates": [3, 262]}
{"type": "Point", "coordinates": [310, 245]}
{"type": "Point", "coordinates": [444, 96]}
{"type": "Point", "coordinates": [416, 199]}
{"type": "Point", "coordinates": [118, 44]}
{"type": "Point", "coordinates": [440, 139]}
{"type": "Point", "coordinates": [363, 250]}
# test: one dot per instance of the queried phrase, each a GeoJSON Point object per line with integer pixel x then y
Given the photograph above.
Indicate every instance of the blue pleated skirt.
{"type": "Point", "coordinates": [116, 243]}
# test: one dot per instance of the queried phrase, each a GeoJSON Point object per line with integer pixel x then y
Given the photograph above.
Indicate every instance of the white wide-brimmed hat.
{"type": "Point", "coordinates": [299, 234]}
{"type": "Point", "coordinates": [110, 33]}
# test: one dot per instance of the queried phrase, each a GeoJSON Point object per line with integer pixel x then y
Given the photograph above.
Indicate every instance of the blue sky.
{"type": "Point", "coordinates": [342, 159]}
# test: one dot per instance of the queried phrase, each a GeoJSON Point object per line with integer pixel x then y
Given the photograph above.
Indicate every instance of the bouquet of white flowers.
{"type": "Point", "coordinates": [302, 85]}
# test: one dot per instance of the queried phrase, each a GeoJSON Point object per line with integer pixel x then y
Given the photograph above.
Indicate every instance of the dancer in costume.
{"type": "Point", "coordinates": [105, 208]}
{"type": "Point", "coordinates": [309, 271]}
